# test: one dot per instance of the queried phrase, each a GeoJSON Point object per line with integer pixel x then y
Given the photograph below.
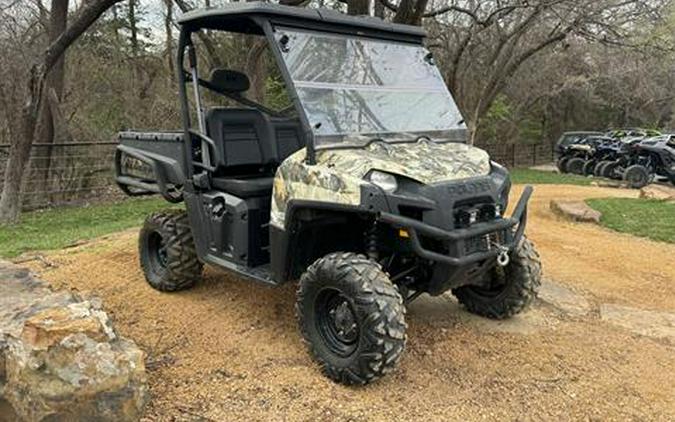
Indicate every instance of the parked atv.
{"type": "Point", "coordinates": [649, 158]}
{"type": "Point", "coordinates": [569, 138]}
{"type": "Point", "coordinates": [365, 190]}
{"type": "Point", "coordinates": [580, 157]}
{"type": "Point", "coordinates": [613, 155]}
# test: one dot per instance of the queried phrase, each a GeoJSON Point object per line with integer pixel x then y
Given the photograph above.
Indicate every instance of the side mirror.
{"type": "Point", "coordinates": [227, 80]}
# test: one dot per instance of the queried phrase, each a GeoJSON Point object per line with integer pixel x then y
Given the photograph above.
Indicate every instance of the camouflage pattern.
{"type": "Point", "coordinates": [338, 174]}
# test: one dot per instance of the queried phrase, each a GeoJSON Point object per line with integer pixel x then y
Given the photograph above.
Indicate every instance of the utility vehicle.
{"type": "Point", "coordinates": [364, 189]}
{"type": "Point", "coordinates": [648, 159]}
{"type": "Point", "coordinates": [566, 140]}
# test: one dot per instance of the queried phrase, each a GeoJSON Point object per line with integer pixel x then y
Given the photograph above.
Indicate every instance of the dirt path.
{"type": "Point", "coordinates": [229, 349]}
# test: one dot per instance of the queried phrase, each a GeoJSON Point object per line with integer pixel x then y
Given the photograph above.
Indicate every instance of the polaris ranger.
{"type": "Point", "coordinates": [365, 189]}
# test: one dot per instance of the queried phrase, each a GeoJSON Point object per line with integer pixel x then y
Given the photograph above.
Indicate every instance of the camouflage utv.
{"type": "Point", "coordinates": [364, 189]}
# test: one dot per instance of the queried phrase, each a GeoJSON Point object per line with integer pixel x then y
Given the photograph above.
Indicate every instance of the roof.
{"type": "Point", "coordinates": [241, 17]}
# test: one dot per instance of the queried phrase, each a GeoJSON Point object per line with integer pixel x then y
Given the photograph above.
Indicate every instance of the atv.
{"type": "Point", "coordinates": [650, 158]}
{"type": "Point", "coordinates": [365, 189]}
{"type": "Point", "coordinates": [574, 156]}
{"type": "Point", "coordinates": [612, 155]}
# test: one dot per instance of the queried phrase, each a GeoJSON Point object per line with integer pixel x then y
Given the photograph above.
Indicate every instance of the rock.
{"type": "Point", "coordinates": [575, 211]}
{"type": "Point", "coordinates": [653, 324]}
{"type": "Point", "coordinates": [564, 299]}
{"type": "Point", "coordinates": [550, 167]}
{"type": "Point", "coordinates": [610, 184]}
{"type": "Point", "coordinates": [60, 357]}
{"type": "Point", "coordinates": [658, 192]}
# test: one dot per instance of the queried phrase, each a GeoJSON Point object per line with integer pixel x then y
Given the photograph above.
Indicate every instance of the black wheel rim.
{"type": "Point", "coordinates": [157, 251]}
{"type": "Point", "coordinates": [336, 322]}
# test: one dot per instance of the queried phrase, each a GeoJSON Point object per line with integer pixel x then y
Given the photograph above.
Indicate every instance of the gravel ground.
{"type": "Point", "coordinates": [229, 349]}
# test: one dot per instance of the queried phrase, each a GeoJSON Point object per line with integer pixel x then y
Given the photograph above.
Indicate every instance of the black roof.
{"type": "Point", "coordinates": [243, 17]}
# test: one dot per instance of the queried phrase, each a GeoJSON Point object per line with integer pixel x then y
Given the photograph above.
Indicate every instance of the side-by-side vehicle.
{"type": "Point", "coordinates": [364, 190]}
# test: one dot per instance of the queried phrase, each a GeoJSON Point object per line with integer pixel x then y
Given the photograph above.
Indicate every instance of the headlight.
{"type": "Point", "coordinates": [385, 181]}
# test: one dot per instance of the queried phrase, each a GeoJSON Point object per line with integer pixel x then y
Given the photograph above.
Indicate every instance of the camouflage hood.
{"type": "Point", "coordinates": [339, 174]}
{"type": "Point", "coordinates": [425, 161]}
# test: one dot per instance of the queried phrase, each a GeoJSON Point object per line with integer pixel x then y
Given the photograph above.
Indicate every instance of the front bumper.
{"type": "Point", "coordinates": [460, 254]}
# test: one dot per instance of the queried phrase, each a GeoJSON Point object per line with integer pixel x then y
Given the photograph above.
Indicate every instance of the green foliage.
{"type": "Point", "coordinates": [498, 112]}
{"type": "Point", "coordinates": [639, 217]}
{"type": "Point", "coordinates": [529, 176]}
{"type": "Point", "coordinates": [276, 95]}
{"type": "Point", "coordinates": [59, 227]}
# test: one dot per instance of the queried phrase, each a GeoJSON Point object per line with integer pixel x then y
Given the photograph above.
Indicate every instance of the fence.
{"type": "Point", "coordinates": [77, 173]}
{"type": "Point", "coordinates": [520, 155]}
{"type": "Point", "coordinates": [63, 174]}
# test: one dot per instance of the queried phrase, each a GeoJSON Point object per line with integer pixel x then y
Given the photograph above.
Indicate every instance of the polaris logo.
{"type": "Point", "coordinates": [469, 188]}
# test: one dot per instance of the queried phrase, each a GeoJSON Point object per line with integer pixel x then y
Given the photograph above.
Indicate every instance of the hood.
{"type": "Point", "coordinates": [425, 161]}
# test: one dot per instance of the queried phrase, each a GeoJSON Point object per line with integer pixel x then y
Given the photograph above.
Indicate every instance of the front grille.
{"type": "Point", "coordinates": [484, 242]}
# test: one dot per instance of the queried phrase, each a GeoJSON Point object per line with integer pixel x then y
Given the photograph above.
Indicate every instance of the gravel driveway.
{"type": "Point", "coordinates": [599, 345]}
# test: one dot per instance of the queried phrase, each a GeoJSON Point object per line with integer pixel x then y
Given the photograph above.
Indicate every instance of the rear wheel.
{"type": "Point", "coordinates": [636, 176]}
{"type": "Point", "coordinates": [588, 168]}
{"type": "Point", "coordinates": [352, 318]}
{"type": "Point", "coordinates": [509, 290]}
{"type": "Point", "coordinates": [608, 170]}
{"type": "Point", "coordinates": [562, 164]}
{"type": "Point", "coordinates": [167, 251]}
{"type": "Point", "coordinates": [597, 170]}
{"type": "Point", "coordinates": [575, 165]}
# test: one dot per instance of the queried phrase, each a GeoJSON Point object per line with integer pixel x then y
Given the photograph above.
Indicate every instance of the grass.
{"type": "Point", "coordinates": [60, 227]}
{"type": "Point", "coordinates": [529, 176]}
{"type": "Point", "coordinates": [639, 217]}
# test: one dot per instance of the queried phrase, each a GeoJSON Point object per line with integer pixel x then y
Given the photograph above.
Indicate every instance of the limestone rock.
{"type": "Point", "coordinates": [564, 299]}
{"type": "Point", "coordinates": [655, 324]}
{"type": "Point", "coordinates": [658, 192]}
{"type": "Point", "coordinates": [60, 357]}
{"type": "Point", "coordinates": [610, 184]}
{"type": "Point", "coordinates": [575, 211]}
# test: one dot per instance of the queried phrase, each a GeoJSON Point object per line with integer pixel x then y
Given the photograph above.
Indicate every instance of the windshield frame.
{"type": "Point", "coordinates": [271, 29]}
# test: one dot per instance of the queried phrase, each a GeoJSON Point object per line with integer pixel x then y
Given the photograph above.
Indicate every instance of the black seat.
{"type": "Point", "coordinates": [246, 151]}
{"type": "Point", "coordinates": [244, 187]}
{"type": "Point", "coordinates": [244, 139]}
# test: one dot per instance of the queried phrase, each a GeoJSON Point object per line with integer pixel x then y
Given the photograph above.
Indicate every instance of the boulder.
{"type": "Point", "coordinates": [60, 357]}
{"type": "Point", "coordinates": [575, 211]}
{"type": "Point", "coordinates": [658, 192]}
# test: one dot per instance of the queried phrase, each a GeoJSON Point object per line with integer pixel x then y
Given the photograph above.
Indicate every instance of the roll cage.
{"type": "Point", "coordinates": [255, 18]}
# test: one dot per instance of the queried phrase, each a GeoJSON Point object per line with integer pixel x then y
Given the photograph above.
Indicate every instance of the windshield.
{"type": "Point", "coordinates": [354, 89]}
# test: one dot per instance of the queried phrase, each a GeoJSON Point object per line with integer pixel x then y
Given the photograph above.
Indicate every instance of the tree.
{"type": "Point", "coordinates": [482, 44]}
{"type": "Point", "coordinates": [10, 200]}
{"type": "Point", "coordinates": [58, 18]}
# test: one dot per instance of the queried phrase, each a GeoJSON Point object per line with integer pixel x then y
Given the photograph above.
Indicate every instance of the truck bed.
{"type": "Point", "coordinates": [150, 162]}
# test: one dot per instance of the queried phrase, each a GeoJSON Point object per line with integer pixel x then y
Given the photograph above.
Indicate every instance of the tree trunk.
{"type": "Point", "coordinates": [133, 28]}
{"type": "Point", "coordinates": [357, 7]}
{"type": "Point", "coordinates": [410, 12]}
{"type": "Point", "coordinates": [10, 200]}
{"type": "Point", "coordinates": [168, 29]}
{"type": "Point", "coordinates": [255, 67]}
{"type": "Point", "coordinates": [55, 81]}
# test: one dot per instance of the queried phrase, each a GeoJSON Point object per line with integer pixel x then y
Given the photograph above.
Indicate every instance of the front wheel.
{"type": "Point", "coordinates": [636, 176]}
{"type": "Point", "coordinates": [352, 318]}
{"type": "Point", "coordinates": [508, 290]}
